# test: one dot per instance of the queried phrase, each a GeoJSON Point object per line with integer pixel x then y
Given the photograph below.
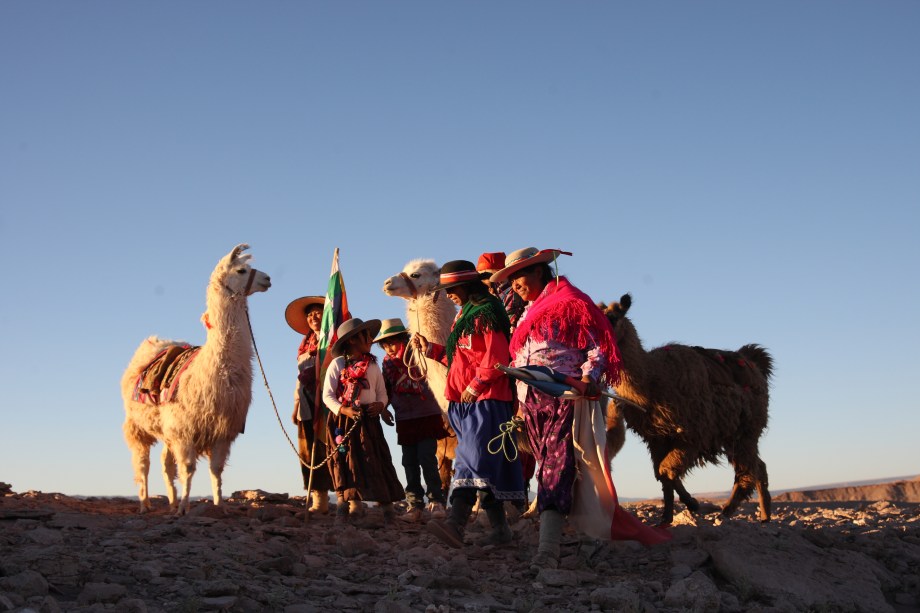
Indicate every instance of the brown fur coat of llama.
{"type": "Point", "coordinates": [700, 404]}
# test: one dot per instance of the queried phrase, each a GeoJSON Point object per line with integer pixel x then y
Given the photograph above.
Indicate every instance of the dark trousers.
{"type": "Point", "coordinates": [417, 460]}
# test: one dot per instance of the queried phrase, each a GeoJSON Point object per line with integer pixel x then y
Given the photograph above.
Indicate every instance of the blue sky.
{"type": "Point", "coordinates": [748, 171]}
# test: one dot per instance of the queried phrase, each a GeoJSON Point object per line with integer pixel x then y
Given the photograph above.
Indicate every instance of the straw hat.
{"type": "Point", "coordinates": [522, 258]}
{"type": "Point", "coordinates": [458, 272]}
{"type": "Point", "coordinates": [348, 329]}
{"type": "Point", "coordinates": [390, 327]}
{"type": "Point", "coordinates": [296, 312]}
{"type": "Point", "coordinates": [491, 262]}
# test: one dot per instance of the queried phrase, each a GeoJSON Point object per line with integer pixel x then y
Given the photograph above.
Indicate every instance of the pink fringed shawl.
{"type": "Point", "coordinates": [565, 314]}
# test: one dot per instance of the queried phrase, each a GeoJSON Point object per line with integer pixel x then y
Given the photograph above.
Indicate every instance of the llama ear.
{"type": "Point", "coordinates": [625, 302]}
{"type": "Point", "coordinates": [238, 250]}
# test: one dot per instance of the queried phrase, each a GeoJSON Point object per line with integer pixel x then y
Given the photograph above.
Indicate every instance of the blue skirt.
{"type": "Point", "coordinates": [476, 424]}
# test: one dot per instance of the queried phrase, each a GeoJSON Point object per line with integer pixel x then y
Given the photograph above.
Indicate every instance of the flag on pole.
{"type": "Point", "coordinates": [335, 311]}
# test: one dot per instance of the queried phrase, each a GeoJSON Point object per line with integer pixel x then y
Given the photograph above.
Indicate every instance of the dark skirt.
{"type": "Point", "coordinates": [414, 431]}
{"type": "Point", "coordinates": [548, 424]}
{"type": "Point", "coordinates": [362, 469]}
{"type": "Point", "coordinates": [322, 478]}
{"type": "Point", "coordinates": [477, 424]}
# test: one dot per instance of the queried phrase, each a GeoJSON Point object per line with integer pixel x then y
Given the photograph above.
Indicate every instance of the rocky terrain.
{"type": "Point", "coordinates": [257, 553]}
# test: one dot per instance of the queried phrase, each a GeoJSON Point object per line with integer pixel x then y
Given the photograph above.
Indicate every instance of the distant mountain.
{"type": "Point", "coordinates": [905, 489]}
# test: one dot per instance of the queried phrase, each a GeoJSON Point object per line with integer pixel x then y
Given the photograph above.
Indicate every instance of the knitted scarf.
{"type": "Point", "coordinates": [487, 313]}
{"type": "Point", "coordinates": [309, 344]}
{"type": "Point", "coordinates": [352, 378]}
{"type": "Point", "coordinates": [565, 314]}
{"type": "Point", "coordinates": [396, 374]}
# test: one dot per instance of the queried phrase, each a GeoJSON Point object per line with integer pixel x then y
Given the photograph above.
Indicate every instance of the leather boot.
{"type": "Point", "coordinates": [501, 531]}
{"type": "Point", "coordinates": [450, 530]}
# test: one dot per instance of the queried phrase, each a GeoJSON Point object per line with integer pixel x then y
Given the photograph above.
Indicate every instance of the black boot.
{"type": "Point", "coordinates": [501, 531]}
{"type": "Point", "coordinates": [451, 530]}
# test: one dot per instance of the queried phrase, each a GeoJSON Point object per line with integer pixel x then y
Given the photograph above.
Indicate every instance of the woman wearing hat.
{"type": "Point", "coordinates": [354, 391]}
{"type": "Point", "coordinates": [305, 316]}
{"type": "Point", "coordinates": [563, 329]}
{"type": "Point", "coordinates": [480, 401]}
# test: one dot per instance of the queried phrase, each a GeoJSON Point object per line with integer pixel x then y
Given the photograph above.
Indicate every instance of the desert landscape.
{"type": "Point", "coordinates": [841, 549]}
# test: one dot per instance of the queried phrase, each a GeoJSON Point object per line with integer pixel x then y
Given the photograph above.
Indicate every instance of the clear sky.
{"type": "Point", "coordinates": [749, 171]}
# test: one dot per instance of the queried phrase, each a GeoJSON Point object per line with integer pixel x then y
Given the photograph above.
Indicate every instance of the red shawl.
{"type": "Point", "coordinates": [565, 314]}
{"type": "Point", "coordinates": [352, 378]}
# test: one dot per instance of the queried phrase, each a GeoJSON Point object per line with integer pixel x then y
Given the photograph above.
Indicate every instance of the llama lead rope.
{"type": "Point", "coordinates": [275, 406]}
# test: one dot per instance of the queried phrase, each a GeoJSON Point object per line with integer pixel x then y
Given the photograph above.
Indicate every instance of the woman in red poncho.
{"type": "Point", "coordinates": [563, 329]}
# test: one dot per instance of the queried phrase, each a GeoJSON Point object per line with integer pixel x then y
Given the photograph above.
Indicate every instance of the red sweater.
{"type": "Point", "coordinates": [474, 366]}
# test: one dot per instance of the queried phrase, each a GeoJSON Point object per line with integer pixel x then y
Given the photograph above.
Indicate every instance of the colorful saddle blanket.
{"type": "Point", "coordinates": [159, 381]}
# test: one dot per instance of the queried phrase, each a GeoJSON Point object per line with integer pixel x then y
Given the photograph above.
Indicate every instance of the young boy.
{"type": "Point", "coordinates": [419, 423]}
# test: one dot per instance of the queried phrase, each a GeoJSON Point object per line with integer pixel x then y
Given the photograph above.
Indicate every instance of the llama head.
{"type": "Point", "coordinates": [235, 274]}
{"type": "Point", "coordinates": [616, 311]}
{"type": "Point", "coordinates": [416, 278]}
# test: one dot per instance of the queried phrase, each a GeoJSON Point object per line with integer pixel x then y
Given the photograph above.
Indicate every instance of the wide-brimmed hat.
{"type": "Point", "coordinates": [491, 262]}
{"type": "Point", "coordinates": [349, 328]}
{"type": "Point", "coordinates": [458, 272]}
{"type": "Point", "coordinates": [390, 327]}
{"type": "Point", "coordinates": [522, 258]}
{"type": "Point", "coordinates": [296, 312]}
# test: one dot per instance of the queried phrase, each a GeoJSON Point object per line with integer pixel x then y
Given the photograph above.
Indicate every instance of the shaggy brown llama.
{"type": "Point", "coordinates": [700, 404]}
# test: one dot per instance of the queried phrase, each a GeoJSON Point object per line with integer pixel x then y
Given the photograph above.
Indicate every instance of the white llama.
{"type": "Point", "coordinates": [431, 314]}
{"type": "Point", "coordinates": [208, 410]}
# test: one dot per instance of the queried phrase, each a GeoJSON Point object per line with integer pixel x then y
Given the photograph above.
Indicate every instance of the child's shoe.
{"type": "Point", "coordinates": [413, 515]}
{"type": "Point", "coordinates": [437, 510]}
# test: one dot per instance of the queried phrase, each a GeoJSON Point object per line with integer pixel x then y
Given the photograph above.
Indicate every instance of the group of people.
{"type": "Point", "coordinates": [515, 311]}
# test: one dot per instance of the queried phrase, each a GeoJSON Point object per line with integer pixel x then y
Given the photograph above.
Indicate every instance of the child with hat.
{"type": "Point", "coordinates": [355, 393]}
{"type": "Point", "coordinates": [419, 423]}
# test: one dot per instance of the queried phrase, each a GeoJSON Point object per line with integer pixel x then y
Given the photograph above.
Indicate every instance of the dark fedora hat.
{"type": "Point", "coordinates": [458, 272]}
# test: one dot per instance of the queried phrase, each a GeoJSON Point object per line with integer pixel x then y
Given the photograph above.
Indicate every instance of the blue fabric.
{"type": "Point", "coordinates": [476, 423]}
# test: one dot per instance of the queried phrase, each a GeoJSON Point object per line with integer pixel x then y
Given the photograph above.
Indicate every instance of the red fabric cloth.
{"type": "Point", "coordinates": [351, 377]}
{"type": "Point", "coordinates": [474, 365]}
{"type": "Point", "coordinates": [565, 314]}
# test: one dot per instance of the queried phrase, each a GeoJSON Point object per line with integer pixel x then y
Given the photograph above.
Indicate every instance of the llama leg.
{"type": "Point", "coordinates": [744, 485]}
{"type": "Point", "coordinates": [140, 460]}
{"type": "Point", "coordinates": [168, 461]}
{"type": "Point", "coordinates": [218, 459]}
{"type": "Point", "coordinates": [763, 491]}
{"type": "Point", "coordinates": [689, 501]}
{"type": "Point", "coordinates": [185, 461]}
{"type": "Point", "coordinates": [667, 491]}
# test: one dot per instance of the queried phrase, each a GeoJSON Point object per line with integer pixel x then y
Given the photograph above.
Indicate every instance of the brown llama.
{"type": "Point", "coordinates": [700, 404]}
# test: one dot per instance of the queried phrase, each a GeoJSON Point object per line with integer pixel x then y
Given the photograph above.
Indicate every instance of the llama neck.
{"type": "Point", "coordinates": [633, 369]}
{"type": "Point", "coordinates": [426, 317]}
{"type": "Point", "coordinates": [228, 336]}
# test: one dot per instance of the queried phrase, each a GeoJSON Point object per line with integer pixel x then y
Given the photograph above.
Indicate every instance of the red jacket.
{"type": "Point", "coordinates": [473, 366]}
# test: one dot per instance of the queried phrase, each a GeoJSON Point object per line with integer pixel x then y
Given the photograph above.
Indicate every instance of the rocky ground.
{"type": "Point", "coordinates": [257, 553]}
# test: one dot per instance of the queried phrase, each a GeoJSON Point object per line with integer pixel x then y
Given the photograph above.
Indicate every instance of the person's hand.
{"type": "Point", "coordinates": [592, 389]}
{"type": "Point", "coordinates": [420, 343]}
{"type": "Point", "coordinates": [350, 412]}
{"type": "Point", "coordinates": [296, 413]}
{"type": "Point", "coordinates": [387, 417]}
{"type": "Point", "coordinates": [373, 409]}
{"type": "Point", "coordinates": [467, 396]}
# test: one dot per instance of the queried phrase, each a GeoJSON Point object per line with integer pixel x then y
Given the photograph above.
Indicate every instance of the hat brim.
{"type": "Point", "coordinates": [541, 257]}
{"type": "Point", "coordinates": [441, 286]}
{"type": "Point", "coordinates": [371, 325]}
{"type": "Point", "coordinates": [296, 317]}
{"type": "Point", "coordinates": [387, 335]}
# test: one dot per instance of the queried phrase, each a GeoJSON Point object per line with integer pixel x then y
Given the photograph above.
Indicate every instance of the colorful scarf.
{"type": "Point", "coordinates": [479, 316]}
{"type": "Point", "coordinates": [353, 378]}
{"type": "Point", "coordinates": [396, 374]}
{"type": "Point", "coordinates": [309, 344]}
{"type": "Point", "coordinates": [565, 314]}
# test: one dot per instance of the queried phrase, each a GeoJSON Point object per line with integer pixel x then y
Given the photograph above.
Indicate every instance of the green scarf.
{"type": "Point", "coordinates": [486, 311]}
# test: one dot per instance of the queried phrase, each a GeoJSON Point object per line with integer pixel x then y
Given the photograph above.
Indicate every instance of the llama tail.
{"type": "Point", "coordinates": [760, 357]}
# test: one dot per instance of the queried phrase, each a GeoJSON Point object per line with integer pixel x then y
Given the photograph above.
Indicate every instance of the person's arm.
{"type": "Point", "coordinates": [331, 385]}
{"type": "Point", "coordinates": [430, 349]}
{"type": "Point", "coordinates": [496, 352]}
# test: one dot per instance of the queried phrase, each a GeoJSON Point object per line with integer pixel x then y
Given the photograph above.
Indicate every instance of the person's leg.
{"type": "Point", "coordinates": [428, 460]}
{"type": "Point", "coordinates": [452, 529]}
{"type": "Point", "coordinates": [415, 494]}
{"type": "Point", "coordinates": [495, 511]}
{"type": "Point", "coordinates": [550, 538]}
